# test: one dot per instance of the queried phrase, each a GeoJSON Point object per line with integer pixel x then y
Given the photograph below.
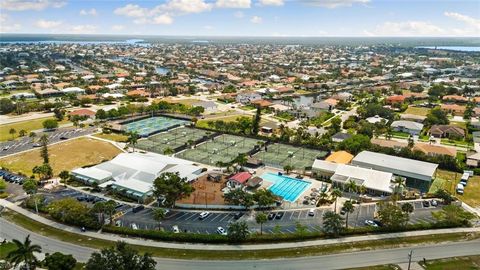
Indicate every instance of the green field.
{"type": "Point", "coordinates": [112, 137]}
{"type": "Point", "coordinates": [464, 263]}
{"type": "Point", "coordinates": [471, 194]}
{"type": "Point", "coordinates": [417, 111]}
{"type": "Point", "coordinates": [25, 125]}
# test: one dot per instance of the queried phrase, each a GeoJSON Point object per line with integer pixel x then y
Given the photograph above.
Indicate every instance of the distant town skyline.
{"type": "Point", "coordinates": [315, 18]}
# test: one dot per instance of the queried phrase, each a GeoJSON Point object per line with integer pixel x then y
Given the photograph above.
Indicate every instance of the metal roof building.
{"type": "Point", "coordinates": [408, 168]}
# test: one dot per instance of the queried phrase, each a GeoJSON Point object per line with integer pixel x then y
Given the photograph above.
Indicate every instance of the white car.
{"type": "Point", "coordinates": [175, 229]}
{"type": "Point", "coordinates": [203, 215]}
{"type": "Point", "coordinates": [311, 212]}
{"type": "Point", "coordinates": [221, 230]}
{"type": "Point", "coordinates": [371, 223]}
{"type": "Point", "coordinates": [134, 226]}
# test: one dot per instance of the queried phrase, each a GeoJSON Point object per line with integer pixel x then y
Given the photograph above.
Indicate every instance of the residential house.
{"type": "Point", "coordinates": [446, 131]}
{"type": "Point", "coordinates": [396, 145]}
{"type": "Point", "coordinates": [455, 98]}
{"type": "Point", "coordinates": [83, 113]}
{"type": "Point", "coordinates": [435, 150]}
{"type": "Point", "coordinates": [340, 157]}
{"type": "Point", "coordinates": [412, 128]}
{"type": "Point", "coordinates": [238, 180]}
{"type": "Point", "coordinates": [376, 119]}
{"type": "Point", "coordinates": [395, 99]}
{"type": "Point", "coordinates": [413, 117]}
{"type": "Point", "coordinates": [247, 97]}
{"type": "Point", "coordinates": [208, 106]}
{"type": "Point", "coordinates": [454, 109]}
{"type": "Point", "coordinates": [340, 137]}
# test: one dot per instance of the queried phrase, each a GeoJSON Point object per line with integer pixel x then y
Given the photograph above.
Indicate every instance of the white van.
{"type": "Point", "coordinates": [460, 188]}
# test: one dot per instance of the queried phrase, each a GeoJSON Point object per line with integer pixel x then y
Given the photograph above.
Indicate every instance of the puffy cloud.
{"type": "Point", "coordinates": [21, 5]}
{"type": "Point", "coordinates": [44, 24]}
{"type": "Point", "coordinates": [6, 26]}
{"type": "Point", "coordinates": [256, 19]}
{"type": "Point", "coordinates": [131, 10]}
{"type": "Point", "coordinates": [185, 6]}
{"type": "Point", "coordinates": [469, 21]}
{"type": "Point", "coordinates": [118, 27]}
{"type": "Point", "coordinates": [83, 29]}
{"type": "Point", "coordinates": [271, 2]}
{"type": "Point", "coordinates": [334, 3]}
{"type": "Point", "coordinates": [163, 19]}
{"type": "Point", "coordinates": [92, 12]}
{"type": "Point", "coordinates": [233, 3]}
{"type": "Point", "coordinates": [238, 14]}
{"type": "Point", "coordinates": [408, 28]}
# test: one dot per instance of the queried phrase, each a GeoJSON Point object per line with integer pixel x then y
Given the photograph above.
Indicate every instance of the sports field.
{"type": "Point", "coordinates": [67, 155]}
{"type": "Point", "coordinates": [278, 155]}
{"type": "Point", "coordinates": [151, 125]}
{"type": "Point", "coordinates": [171, 139]}
{"type": "Point", "coordinates": [223, 148]}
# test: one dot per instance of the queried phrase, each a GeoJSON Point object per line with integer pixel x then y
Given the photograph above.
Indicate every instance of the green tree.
{"type": "Point", "coordinates": [44, 149]}
{"type": "Point", "coordinates": [355, 144]}
{"type": "Point", "coordinates": [120, 257]}
{"type": "Point", "coordinates": [99, 209]}
{"type": "Point", "coordinates": [59, 261]}
{"type": "Point", "coordinates": [336, 193]}
{"type": "Point", "coordinates": [22, 133]}
{"type": "Point", "coordinates": [101, 114]}
{"type": "Point", "coordinates": [391, 215]}
{"type": "Point", "coordinates": [70, 211]}
{"type": "Point", "coordinates": [59, 113]}
{"type": "Point", "coordinates": [168, 151]}
{"type": "Point", "coordinates": [32, 136]}
{"type": "Point", "coordinates": [261, 218]}
{"type": "Point", "coordinates": [348, 208]}
{"type": "Point", "coordinates": [171, 187]}
{"type": "Point", "coordinates": [256, 121]}
{"type": "Point", "coordinates": [44, 171]}
{"type": "Point", "coordinates": [24, 253]}
{"type": "Point", "coordinates": [288, 168]}
{"type": "Point", "coordinates": [50, 124]}
{"type": "Point", "coordinates": [407, 208]}
{"type": "Point", "coordinates": [446, 197]}
{"type": "Point", "coordinates": [133, 139]}
{"type": "Point", "coordinates": [6, 106]}
{"type": "Point", "coordinates": [65, 176]}
{"type": "Point", "coordinates": [238, 231]}
{"type": "Point", "coordinates": [264, 197]}
{"type": "Point", "coordinates": [436, 116]}
{"type": "Point", "coordinates": [30, 187]}
{"type": "Point", "coordinates": [12, 132]}
{"type": "Point", "coordinates": [453, 214]}
{"type": "Point", "coordinates": [239, 196]}
{"type": "Point", "coordinates": [110, 209]}
{"type": "Point", "coordinates": [159, 214]}
{"type": "Point", "coordinates": [332, 223]}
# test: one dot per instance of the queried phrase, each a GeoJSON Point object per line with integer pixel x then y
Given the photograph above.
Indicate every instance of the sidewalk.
{"type": "Point", "coordinates": [192, 246]}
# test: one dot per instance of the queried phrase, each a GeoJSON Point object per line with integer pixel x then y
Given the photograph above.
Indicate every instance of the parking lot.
{"type": "Point", "coordinates": [25, 143]}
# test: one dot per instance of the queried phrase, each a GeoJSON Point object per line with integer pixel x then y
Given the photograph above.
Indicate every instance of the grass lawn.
{"type": "Point", "coordinates": [378, 267]}
{"type": "Point", "coordinates": [25, 125]}
{"type": "Point", "coordinates": [464, 263]}
{"type": "Point", "coordinates": [228, 118]}
{"type": "Point", "coordinates": [459, 124]}
{"type": "Point", "coordinates": [81, 240]}
{"type": "Point", "coordinates": [112, 137]}
{"type": "Point", "coordinates": [471, 194]}
{"type": "Point", "coordinates": [5, 249]}
{"type": "Point", "coordinates": [417, 111]}
{"type": "Point", "coordinates": [455, 143]}
{"type": "Point", "coordinates": [187, 102]}
{"type": "Point", "coordinates": [247, 108]}
{"type": "Point", "coordinates": [63, 156]}
{"type": "Point", "coordinates": [399, 134]}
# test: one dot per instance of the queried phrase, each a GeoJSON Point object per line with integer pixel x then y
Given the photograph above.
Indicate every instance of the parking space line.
{"type": "Point", "coordinates": [191, 217]}
{"type": "Point", "coordinates": [216, 216]}
{"type": "Point", "coordinates": [226, 216]}
{"type": "Point", "coordinates": [182, 214]}
{"type": "Point", "coordinates": [291, 215]}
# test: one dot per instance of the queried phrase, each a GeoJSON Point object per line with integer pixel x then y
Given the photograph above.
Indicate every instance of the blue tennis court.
{"type": "Point", "coordinates": [287, 187]}
{"type": "Point", "coordinates": [149, 126]}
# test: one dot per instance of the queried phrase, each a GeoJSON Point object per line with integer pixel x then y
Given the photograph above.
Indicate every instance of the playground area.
{"type": "Point", "coordinates": [148, 126]}
{"type": "Point", "coordinates": [223, 148]}
{"type": "Point", "coordinates": [207, 192]}
{"type": "Point", "coordinates": [172, 139]}
{"type": "Point", "coordinates": [279, 155]}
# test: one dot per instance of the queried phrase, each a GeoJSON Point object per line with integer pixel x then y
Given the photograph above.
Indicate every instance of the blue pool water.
{"type": "Point", "coordinates": [148, 126]}
{"type": "Point", "coordinates": [287, 187]}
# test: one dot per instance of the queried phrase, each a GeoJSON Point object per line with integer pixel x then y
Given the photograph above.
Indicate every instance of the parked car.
{"type": "Point", "coordinates": [434, 203]}
{"type": "Point", "coordinates": [221, 230]}
{"type": "Point", "coordinates": [271, 216]}
{"type": "Point", "coordinates": [426, 204]}
{"type": "Point", "coordinates": [36, 145]}
{"type": "Point", "coordinates": [279, 215]}
{"type": "Point", "coordinates": [203, 215]}
{"type": "Point", "coordinates": [63, 138]}
{"type": "Point", "coordinates": [134, 226]}
{"type": "Point", "coordinates": [371, 223]}
{"type": "Point", "coordinates": [238, 215]}
{"type": "Point", "coordinates": [175, 229]}
{"type": "Point", "coordinates": [311, 212]}
{"type": "Point", "coordinates": [138, 208]}
{"type": "Point", "coordinates": [460, 189]}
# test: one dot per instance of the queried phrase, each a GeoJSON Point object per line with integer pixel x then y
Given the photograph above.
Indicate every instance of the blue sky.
{"type": "Point", "coordinates": [244, 17]}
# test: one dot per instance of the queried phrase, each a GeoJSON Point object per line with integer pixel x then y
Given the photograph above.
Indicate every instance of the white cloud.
{"type": "Point", "coordinates": [238, 14]}
{"type": "Point", "coordinates": [334, 3]}
{"type": "Point", "coordinates": [83, 29]}
{"type": "Point", "coordinates": [21, 5]}
{"type": "Point", "coordinates": [184, 6]}
{"type": "Point", "coordinates": [233, 3]}
{"type": "Point", "coordinates": [271, 2]}
{"type": "Point", "coordinates": [163, 19]}
{"type": "Point", "coordinates": [131, 11]}
{"type": "Point", "coordinates": [118, 27]}
{"type": "Point", "coordinates": [92, 12]}
{"type": "Point", "coordinates": [256, 19]}
{"type": "Point", "coordinates": [44, 24]}
{"type": "Point", "coordinates": [6, 26]}
{"type": "Point", "coordinates": [408, 28]}
{"type": "Point", "coordinates": [469, 21]}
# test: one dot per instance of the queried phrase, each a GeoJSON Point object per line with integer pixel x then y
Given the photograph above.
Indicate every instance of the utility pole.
{"type": "Point", "coordinates": [409, 258]}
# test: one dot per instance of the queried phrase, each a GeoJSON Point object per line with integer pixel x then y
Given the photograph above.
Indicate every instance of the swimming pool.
{"type": "Point", "coordinates": [148, 126]}
{"type": "Point", "coordinates": [287, 187]}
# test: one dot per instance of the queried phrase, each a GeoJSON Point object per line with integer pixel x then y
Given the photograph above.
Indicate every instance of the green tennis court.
{"type": "Point", "coordinates": [278, 155]}
{"type": "Point", "coordinates": [172, 139]}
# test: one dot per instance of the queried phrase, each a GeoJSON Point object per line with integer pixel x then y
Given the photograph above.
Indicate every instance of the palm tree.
{"type": "Point", "coordinates": [64, 175]}
{"type": "Point", "coordinates": [362, 189]}
{"type": "Point", "coordinates": [133, 139]}
{"type": "Point", "coordinates": [12, 132]}
{"type": "Point", "coordinates": [407, 208]}
{"type": "Point", "coordinates": [23, 252]}
{"type": "Point", "coordinates": [336, 193]}
{"type": "Point", "coordinates": [352, 187]}
{"type": "Point", "coordinates": [32, 136]}
{"type": "Point", "coordinates": [332, 223]}
{"type": "Point", "coordinates": [168, 151]}
{"type": "Point", "coordinates": [399, 184]}
{"type": "Point", "coordinates": [261, 218]}
{"type": "Point", "coordinates": [159, 215]}
{"type": "Point", "coordinates": [348, 208]}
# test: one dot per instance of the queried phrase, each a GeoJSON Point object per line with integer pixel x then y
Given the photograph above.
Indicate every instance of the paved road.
{"type": "Point", "coordinates": [336, 261]}
{"type": "Point", "coordinates": [25, 143]}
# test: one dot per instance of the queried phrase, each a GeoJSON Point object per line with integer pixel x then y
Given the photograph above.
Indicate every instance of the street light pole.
{"type": "Point", "coordinates": [410, 258]}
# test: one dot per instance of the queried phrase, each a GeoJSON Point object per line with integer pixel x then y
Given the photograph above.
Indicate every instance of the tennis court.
{"type": "Point", "coordinates": [278, 155]}
{"type": "Point", "coordinates": [172, 139]}
{"type": "Point", "coordinates": [223, 148]}
{"type": "Point", "coordinates": [151, 125]}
